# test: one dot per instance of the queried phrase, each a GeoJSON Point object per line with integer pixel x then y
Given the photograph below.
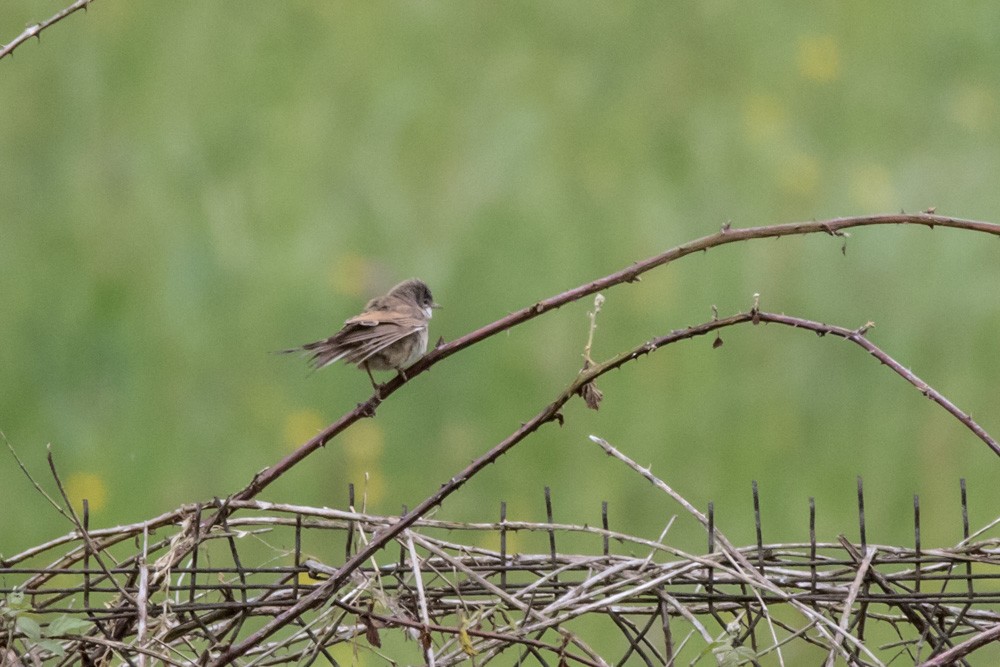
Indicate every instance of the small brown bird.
{"type": "Point", "coordinates": [390, 334]}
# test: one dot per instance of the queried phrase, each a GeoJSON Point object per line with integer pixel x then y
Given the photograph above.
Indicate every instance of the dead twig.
{"type": "Point", "coordinates": [35, 30]}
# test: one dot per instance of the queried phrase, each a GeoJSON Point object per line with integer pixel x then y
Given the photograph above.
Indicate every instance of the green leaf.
{"type": "Point", "coordinates": [53, 647]}
{"type": "Point", "coordinates": [736, 656]}
{"type": "Point", "coordinates": [29, 627]}
{"type": "Point", "coordinates": [15, 600]}
{"type": "Point", "coordinates": [67, 625]}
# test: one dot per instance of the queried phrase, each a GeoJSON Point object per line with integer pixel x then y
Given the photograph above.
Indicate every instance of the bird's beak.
{"type": "Point", "coordinates": [435, 305]}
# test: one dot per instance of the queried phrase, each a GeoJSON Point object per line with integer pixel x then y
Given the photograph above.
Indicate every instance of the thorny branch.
{"type": "Point", "coordinates": [35, 30]}
{"type": "Point", "coordinates": [834, 227]}
{"type": "Point", "coordinates": [552, 413]}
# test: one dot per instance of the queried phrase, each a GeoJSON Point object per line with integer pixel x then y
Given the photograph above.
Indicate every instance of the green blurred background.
{"type": "Point", "coordinates": [187, 186]}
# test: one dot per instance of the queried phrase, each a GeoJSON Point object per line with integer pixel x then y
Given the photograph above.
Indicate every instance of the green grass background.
{"type": "Point", "coordinates": [187, 186]}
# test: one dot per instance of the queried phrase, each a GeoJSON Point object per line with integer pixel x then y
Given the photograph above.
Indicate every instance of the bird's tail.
{"type": "Point", "coordinates": [321, 352]}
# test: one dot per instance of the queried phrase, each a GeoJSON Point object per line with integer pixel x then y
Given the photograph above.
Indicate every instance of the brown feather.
{"type": "Point", "coordinates": [391, 332]}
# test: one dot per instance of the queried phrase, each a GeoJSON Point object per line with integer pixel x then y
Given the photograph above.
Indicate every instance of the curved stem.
{"type": "Point", "coordinates": [552, 413]}
{"type": "Point", "coordinates": [726, 235]}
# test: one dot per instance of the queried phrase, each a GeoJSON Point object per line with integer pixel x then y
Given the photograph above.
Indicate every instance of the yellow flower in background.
{"type": "Point", "coordinates": [819, 58]}
{"type": "Point", "coordinates": [974, 108]}
{"type": "Point", "coordinates": [363, 445]}
{"type": "Point", "coordinates": [89, 486]}
{"type": "Point", "coordinates": [871, 188]}
{"type": "Point", "coordinates": [350, 275]}
{"type": "Point", "coordinates": [300, 426]}
{"type": "Point", "coordinates": [347, 653]}
{"type": "Point", "coordinates": [369, 487]}
{"type": "Point", "coordinates": [306, 580]}
{"type": "Point", "coordinates": [799, 174]}
{"type": "Point", "coordinates": [765, 118]}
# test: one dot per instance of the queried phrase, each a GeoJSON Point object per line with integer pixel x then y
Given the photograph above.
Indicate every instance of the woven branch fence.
{"type": "Point", "coordinates": [246, 582]}
{"type": "Point", "coordinates": [440, 597]}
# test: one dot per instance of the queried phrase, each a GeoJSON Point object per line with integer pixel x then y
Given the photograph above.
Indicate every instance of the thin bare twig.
{"type": "Point", "coordinates": [425, 641]}
{"type": "Point", "coordinates": [35, 30]}
{"type": "Point", "coordinates": [749, 573]}
{"type": "Point", "coordinates": [953, 655]}
{"type": "Point", "coordinates": [38, 487]}
{"type": "Point", "coordinates": [83, 532]}
{"type": "Point", "coordinates": [476, 632]}
{"type": "Point", "coordinates": [852, 595]}
{"type": "Point", "coordinates": [502, 595]}
{"type": "Point", "coordinates": [142, 597]}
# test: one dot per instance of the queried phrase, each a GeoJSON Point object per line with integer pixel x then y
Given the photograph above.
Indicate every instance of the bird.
{"type": "Point", "coordinates": [390, 334]}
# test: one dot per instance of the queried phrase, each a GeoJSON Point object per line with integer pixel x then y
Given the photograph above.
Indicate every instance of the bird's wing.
{"type": "Point", "coordinates": [372, 318]}
{"type": "Point", "coordinates": [362, 340]}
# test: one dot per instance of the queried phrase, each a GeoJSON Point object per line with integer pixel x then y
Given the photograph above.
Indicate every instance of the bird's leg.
{"type": "Point", "coordinates": [375, 385]}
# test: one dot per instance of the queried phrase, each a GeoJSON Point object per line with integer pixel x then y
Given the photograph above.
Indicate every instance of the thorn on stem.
{"type": "Point", "coordinates": [864, 328]}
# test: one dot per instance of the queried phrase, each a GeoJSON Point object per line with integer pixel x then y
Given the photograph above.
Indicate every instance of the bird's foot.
{"type": "Point", "coordinates": [368, 407]}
